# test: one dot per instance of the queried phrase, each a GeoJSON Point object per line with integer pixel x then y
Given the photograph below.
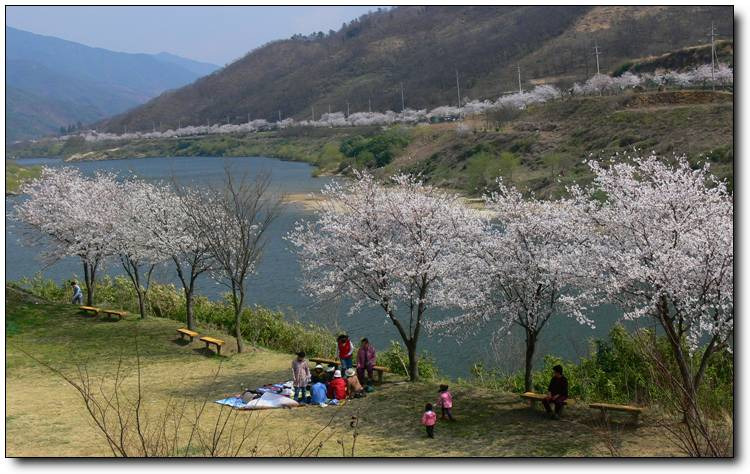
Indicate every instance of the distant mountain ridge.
{"type": "Point", "coordinates": [422, 48]}
{"type": "Point", "coordinates": [67, 82]}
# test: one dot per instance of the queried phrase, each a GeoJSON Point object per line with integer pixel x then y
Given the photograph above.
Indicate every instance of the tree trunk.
{"type": "Point", "coordinates": [141, 303]}
{"type": "Point", "coordinates": [238, 320]}
{"type": "Point", "coordinates": [88, 277]}
{"type": "Point", "coordinates": [189, 309]}
{"type": "Point", "coordinates": [530, 348]}
{"type": "Point", "coordinates": [411, 349]}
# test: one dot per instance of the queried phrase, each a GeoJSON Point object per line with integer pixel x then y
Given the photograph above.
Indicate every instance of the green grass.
{"type": "Point", "coordinates": [45, 417]}
{"type": "Point", "coordinates": [16, 175]}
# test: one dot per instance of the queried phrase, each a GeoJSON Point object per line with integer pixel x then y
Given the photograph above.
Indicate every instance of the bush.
{"type": "Point", "coordinates": [260, 326]}
{"type": "Point", "coordinates": [397, 361]}
{"type": "Point", "coordinates": [375, 151]}
{"type": "Point", "coordinates": [617, 371]}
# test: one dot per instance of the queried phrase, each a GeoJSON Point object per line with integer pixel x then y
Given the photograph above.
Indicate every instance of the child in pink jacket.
{"type": "Point", "coordinates": [429, 418]}
{"type": "Point", "coordinates": [445, 402]}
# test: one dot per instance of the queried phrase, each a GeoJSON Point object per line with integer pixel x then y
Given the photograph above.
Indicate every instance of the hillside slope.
{"type": "Point", "coordinates": [59, 82]}
{"type": "Point", "coordinates": [422, 48]}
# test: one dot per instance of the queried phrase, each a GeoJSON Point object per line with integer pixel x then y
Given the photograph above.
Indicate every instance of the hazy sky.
{"type": "Point", "coordinates": [213, 34]}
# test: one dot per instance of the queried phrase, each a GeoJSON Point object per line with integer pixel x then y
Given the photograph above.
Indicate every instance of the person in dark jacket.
{"type": "Point", "coordinates": [557, 392]}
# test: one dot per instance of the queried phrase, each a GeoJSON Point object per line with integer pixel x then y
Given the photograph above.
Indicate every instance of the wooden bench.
{"type": "Point", "coordinates": [378, 368]}
{"type": "Point", "coordinates": [187, 332]}
{"type": "Point", "coordinates": [605, 407]}
{"type": "Point", "coordinates": [90, 309]}
{"type": "Point", "coordinates": [212, 340]}
{"type": "Point", "coordinates": [533, 398]}
{"type": "Point", "coordinates": [113, 312]}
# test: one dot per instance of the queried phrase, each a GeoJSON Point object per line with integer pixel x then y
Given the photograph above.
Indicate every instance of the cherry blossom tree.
{"type": "Point", "coordinates": [663, 250]}
{"type": "Point", "coordinates": [71, 214]}
{"type": "Point", "coordinates": [516, 269]}
{"type": "Point", "coordinates": [133, 239]}
{"type": "Point", "coordinates": [232, 221]}
{"type": "Point", "coordinates": [386, 247]}
{"type": "Point", "coordinates": [178, 237]}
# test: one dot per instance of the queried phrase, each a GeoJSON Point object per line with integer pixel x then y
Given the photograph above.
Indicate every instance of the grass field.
{"type": "Point", "coordinates": [46, 417]}
{"type": "Point", "coordinates": [16, 175]}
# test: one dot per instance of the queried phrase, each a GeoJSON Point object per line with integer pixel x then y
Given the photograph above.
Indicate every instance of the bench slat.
{"type": "Point", "coordinates": [212, 340]}
{"type": "Point", "coordinates": [187, 332]}
{"type": "Point", "coordinates": [611, 406]}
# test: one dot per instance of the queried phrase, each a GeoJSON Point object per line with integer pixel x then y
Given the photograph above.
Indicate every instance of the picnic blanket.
{"type": "Point", "coordinates": [265, 401]}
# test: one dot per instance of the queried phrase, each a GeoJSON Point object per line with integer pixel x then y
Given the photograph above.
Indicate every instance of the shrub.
{"type": "Point", "coordinates": [397, 361]}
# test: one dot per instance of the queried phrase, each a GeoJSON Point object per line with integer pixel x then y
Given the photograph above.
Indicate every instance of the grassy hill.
{"type": "Point", "coordinates": [46, 417]}
{"type": "Point", "coordinates": [422, 48]}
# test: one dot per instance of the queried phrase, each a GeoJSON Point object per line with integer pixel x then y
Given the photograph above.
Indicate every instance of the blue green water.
{"type": "Point", "coordinates": [277, 284]}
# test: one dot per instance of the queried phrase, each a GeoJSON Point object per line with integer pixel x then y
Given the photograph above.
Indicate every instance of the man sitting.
{"type": "Point", "coordinates": [557, 391]}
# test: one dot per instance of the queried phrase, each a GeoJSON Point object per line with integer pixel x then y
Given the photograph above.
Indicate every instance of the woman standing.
{"type": "Point", "coordinates": [365, 361]}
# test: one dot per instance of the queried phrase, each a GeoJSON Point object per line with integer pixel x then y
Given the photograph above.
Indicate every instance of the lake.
{"type": "Point", "coordinates": [277, 284]}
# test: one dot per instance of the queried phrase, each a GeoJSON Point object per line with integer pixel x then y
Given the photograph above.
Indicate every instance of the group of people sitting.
{"type": "Point", "coordinates": [334, 383]}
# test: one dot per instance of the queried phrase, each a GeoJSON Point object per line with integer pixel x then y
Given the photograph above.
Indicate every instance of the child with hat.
{"type": "Point", "coordinates": [337, 387]}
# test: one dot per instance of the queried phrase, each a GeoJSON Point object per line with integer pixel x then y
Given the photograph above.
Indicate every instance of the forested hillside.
{"type": "Point", "coordinates": [365, 63]}
{"type": "Point", "coordinates": [55, 83]}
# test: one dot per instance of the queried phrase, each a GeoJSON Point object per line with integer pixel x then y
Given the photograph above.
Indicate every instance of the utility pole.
{"type": "Point", "coordinates": [520, 89]}
{"type": "Point", "coordinates": [347, 109]}
{"type": "Point", "coordinates": [458, 92]}
{"type": "Point", "coordinates": [596, 51]}
{"type": "Point", "coordinates": [313, 113]}
{"type": "Point", "coordinates": [403, 104]}
{"type": "Point", "coordinates": [153, 126]}
{"type": "Point", "coordinates": [248, 117]}
{"type": "Point", "coordinates": [369, 105]}
{"type": "Point", "coordinates": [279, 115]}
{"type": "Point", "coordinates": [713, 56]}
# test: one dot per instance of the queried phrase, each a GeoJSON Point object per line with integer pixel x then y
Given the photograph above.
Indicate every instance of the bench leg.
{"type": "Point", "coordinates": [380, 376]}
{"type": "Point", "coordinates": [218, 349]}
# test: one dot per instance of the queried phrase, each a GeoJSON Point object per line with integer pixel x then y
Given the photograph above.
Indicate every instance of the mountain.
{"type": "Point", "coordinates": [423, 47]}
{"type": "Point", "coordinates": [57, 82]}
{"type": "Point", "coordinates": [199, 68]}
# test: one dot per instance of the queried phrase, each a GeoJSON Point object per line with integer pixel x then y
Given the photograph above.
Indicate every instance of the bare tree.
{"type": "Point", "coordinates": [233, 222]}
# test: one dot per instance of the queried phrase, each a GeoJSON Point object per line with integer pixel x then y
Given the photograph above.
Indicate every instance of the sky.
{"type": "Point", "coordinates": [217, 35]}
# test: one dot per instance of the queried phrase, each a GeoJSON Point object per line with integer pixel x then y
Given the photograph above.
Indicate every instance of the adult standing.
{"type": "Point", "coordinates": [77, 293]}
{"type": "Point", "coordinates": [346, 351]}
{"type": "Point", "coordinates": [365, 361]}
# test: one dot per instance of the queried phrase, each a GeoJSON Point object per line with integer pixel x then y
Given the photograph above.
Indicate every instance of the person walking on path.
{"type": "Point", "coordinates": [346, 351]}
{"type": "Point", "coordinates": [300, 376]}
{"type": "Point", "coordinates": [429, 418]}
{"type": "Point", "coordinates": [77, 293]}
{"type": "Point", "coordinates": [365, 361]}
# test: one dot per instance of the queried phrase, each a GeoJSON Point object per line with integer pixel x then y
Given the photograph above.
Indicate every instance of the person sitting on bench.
{"type": "Point", "coordinates": [557, 392]}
